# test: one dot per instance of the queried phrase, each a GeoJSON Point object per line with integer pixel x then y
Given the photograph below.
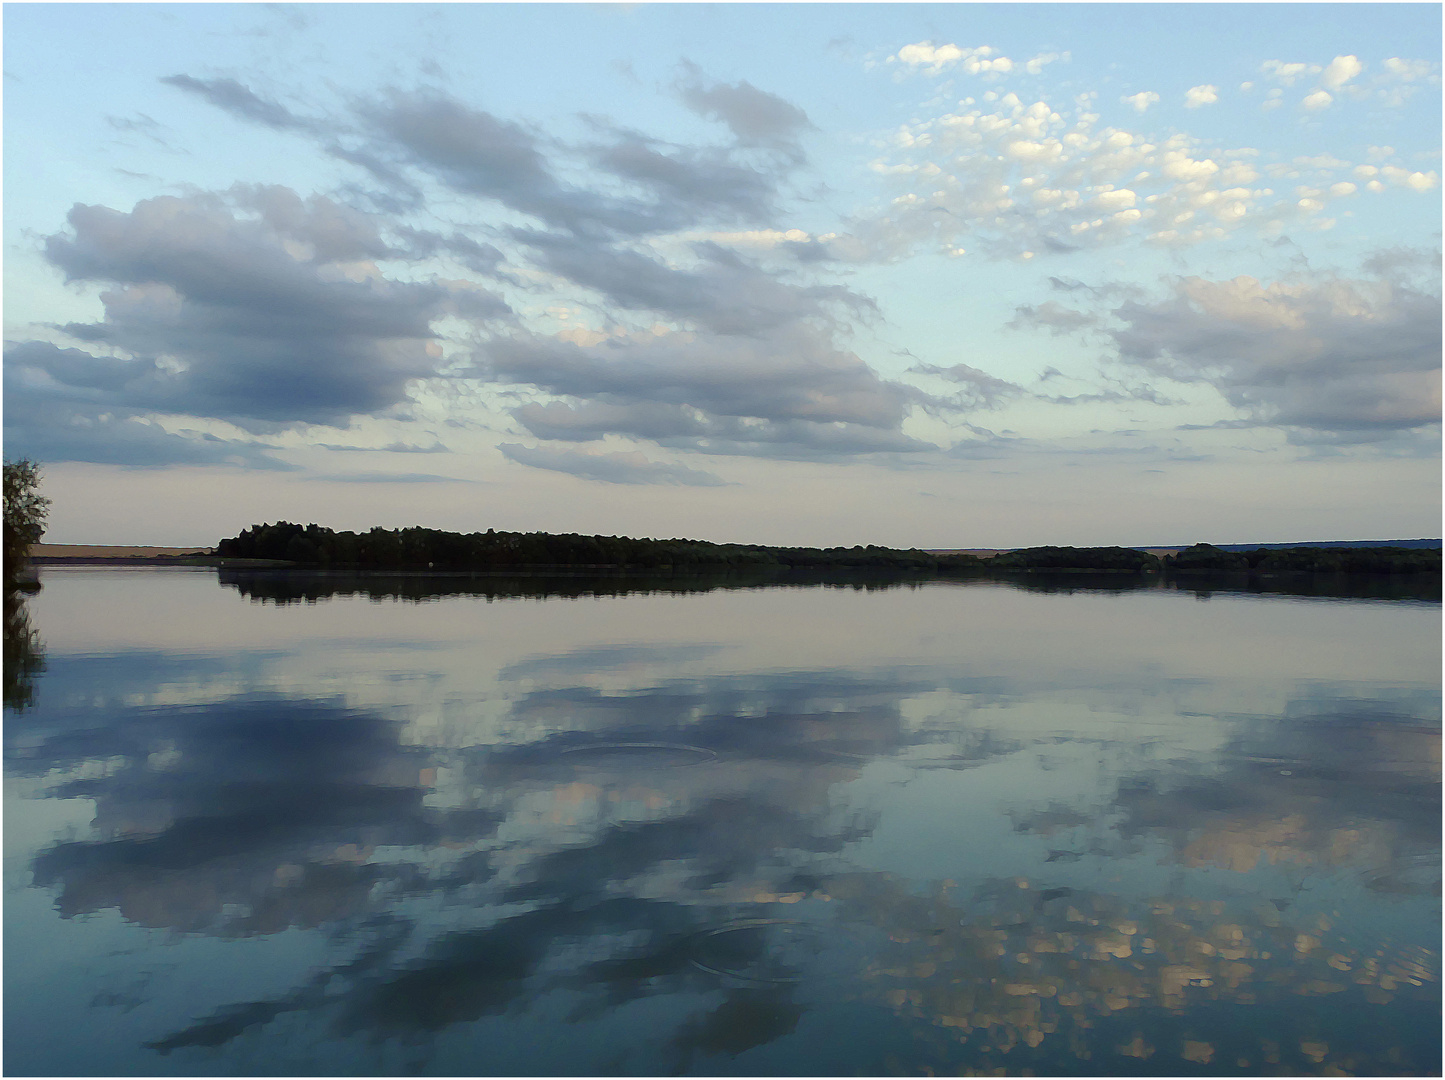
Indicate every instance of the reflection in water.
{"type": "Point", "coordinates": [651, 855]}
{"type": "Point", "coordinates": [24, 653]}
{"type": "Point", "coordinates": [296, 586]}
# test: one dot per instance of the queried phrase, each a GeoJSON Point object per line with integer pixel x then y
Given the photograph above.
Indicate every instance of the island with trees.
{"type": "Point", "coordinates": [417, 549]}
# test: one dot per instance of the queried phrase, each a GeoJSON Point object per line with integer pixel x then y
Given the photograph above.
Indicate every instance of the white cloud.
{"type": "Point", "coordinates": [1408, 70]}
{"type": "Point", "coordinates": [1340, 70]}
{"type": "Point", "coordinates": [1117, 199]}
{"type": "Point", "coordinates": [1197, 96]}
{"type": "Point", "coordinates": [1316, 101]}
{"type": "Point", "coordinates": [1034, 66]}
{"type": "Point", "coordinates": [1287, 74]}
{"type": "Point", "coordinates": [1142, 100]}
{"type": "Point", "coordinates": [1415, 181]}
{"type": "Point", "coordinates": [1003, 176]}
{"type": "Point", "coordinates": [980, 61]}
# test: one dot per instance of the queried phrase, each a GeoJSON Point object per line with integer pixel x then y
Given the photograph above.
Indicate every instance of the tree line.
{"type": "Point", "coordinates": [420, 548]}
{"type": "Point", "coordinates": [433, 549]}
{"type": "Point", "coordinates": [1315, 560]}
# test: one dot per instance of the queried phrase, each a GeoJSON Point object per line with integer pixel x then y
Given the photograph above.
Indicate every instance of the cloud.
{"type": "Point", "coordinates": [1142, 100]}
{"type": "Point", "coordinates": [1399, 79]}
{"type": "Point", "coordinates": [705, 181]}
{"type": "Point", "coordinates": [1197, 96]}
{"type": "Point", "coordinates": [1408, 70]}
{"type": "Point", "coordinates": [1339, 71]}
{"type": "Point", "coordinates": [755, 117]}
{"type": "Point", "coordinates": [610, 468]}
{"type": "Point", "coordinates": [1328, 354]}
{"type": "Point", "coordinates": [666, 187]}
{"type": "Point", "coordinates": [238, 100]}
{"type": "Point", "coordinates": [1038, 63]}
{"type": "Point", "coordinates": [60, 405]}
{"type": "Point", "coordinates": [1392, 83]}
{"type": "Point", "coordinates": [978, 389]}
{"type": "Point", "coordinates": [1054, 317]}
{"type": "Point", "coordinates": [1287, 73]}
{"type": "Point", "coordinates": [386, 478]}
{"type": "Point", "coordinates": [721, 291]}
{"type": "Point", "coordinates": [264, 309]}
{"type": "Point", "coordinates": [982, 60]}
{"type": "Point", "coordinates": [278, 318]}
{"type": "Point", "coordinates": [685, 428]}
{"type": "Point", "coordinates": [778, 388]}
{"type": "Point", "coordinates": [790, 374]}
{"type": "Point", "coordinates": [475, 152]}
{"type": "Point", "coordinates": [259, 308]}
{"type": "Point", "coordinates": [391, 448]}
{"type": "Point", "coordinates": [1006, 178]}
{"type": "Point", "coordinates": [479, 154]}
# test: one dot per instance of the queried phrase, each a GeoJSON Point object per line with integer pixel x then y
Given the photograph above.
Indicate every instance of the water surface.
{"type": "Point", "coordinates": [266, 825]}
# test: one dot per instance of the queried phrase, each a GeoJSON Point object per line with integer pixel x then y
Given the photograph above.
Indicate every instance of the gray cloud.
{"type": "Point", "coordinates": [1052, 316]}
{"type": "Point", "coordinates": [791, 374]}
{"type": "Point", "coordinates": [611, 468]}
{"type": "Point", "coordinates": [1332, 355]}
{"type": "Point", "coordinates": [980, 390]}
{"type": "Point", "coordinates": [255, 321]}
{"type": "Point", "coordinates": [238, 100]}
{"type": "Point", "coordinates": [57, 409]}
{"type": "Point", "coordinates": [478, 257]}
{"type": "Point", "coordinates": [476, 153]}
{"type": "Point", "coordinates": [706, 180]}
{"type": "Point", "coordinates": [755, 117]}
{"type": "Point", "coordinates": [387, 478]}
{"type": "Point", "coordinates": [390, 448]}
{"type": "Point", "coordinates": [671, 187]}
{"type": "Point", "coordinates": [257, 308]}
{"type": "Point", "coordinates": [685, 428]}
{"type": "Point", "coordinates": [723, 292]}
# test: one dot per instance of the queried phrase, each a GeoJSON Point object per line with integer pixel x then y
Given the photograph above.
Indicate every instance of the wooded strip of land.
{"type": "Point", "coordinates": [433, 549]}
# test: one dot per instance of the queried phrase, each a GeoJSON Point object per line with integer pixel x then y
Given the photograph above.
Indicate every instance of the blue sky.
{"type": "Point", "coordinates": [934, 275]}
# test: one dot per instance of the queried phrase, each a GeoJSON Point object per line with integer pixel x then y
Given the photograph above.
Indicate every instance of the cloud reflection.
{"type": "Point", "coordinates": [654, 832]}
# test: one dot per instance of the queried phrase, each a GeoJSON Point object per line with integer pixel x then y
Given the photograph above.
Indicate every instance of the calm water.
{"type": "Point", "coordinates": [946, 827]}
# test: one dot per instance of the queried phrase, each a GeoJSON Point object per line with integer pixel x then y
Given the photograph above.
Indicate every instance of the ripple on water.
{"type": "Point", "coordinates": [766, 951]}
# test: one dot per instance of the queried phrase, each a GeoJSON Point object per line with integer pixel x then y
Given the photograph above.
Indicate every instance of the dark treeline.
{"type": "Point", "coordinates": [433, 549]}
{"type": "Point", "coordinates": [1314, 560]}
{"type": "Point", "coordinates": [314, 546]}
{"type": "Point", "coordinates": [1116, 559]}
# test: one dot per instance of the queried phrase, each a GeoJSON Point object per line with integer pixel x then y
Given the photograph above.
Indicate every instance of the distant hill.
{"type": "Point", "coordinates": [1334, 544]}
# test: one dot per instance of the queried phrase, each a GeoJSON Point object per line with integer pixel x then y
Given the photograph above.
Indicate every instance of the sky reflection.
{"type": "Point", "coordinates": [678, 839]}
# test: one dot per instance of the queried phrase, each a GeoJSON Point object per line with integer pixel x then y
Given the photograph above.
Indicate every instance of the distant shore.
{"type": "Point", "coordinates": [50, 554]}
{"type": "Point", "coordinates": [112, 554]}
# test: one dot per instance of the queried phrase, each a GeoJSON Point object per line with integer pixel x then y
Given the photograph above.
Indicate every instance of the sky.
{"type": "Point", "coordinates": [984, 275]}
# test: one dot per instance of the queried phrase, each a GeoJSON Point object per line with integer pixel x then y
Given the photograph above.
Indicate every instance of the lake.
{"type": "Point", "coordinates": [265, 825]}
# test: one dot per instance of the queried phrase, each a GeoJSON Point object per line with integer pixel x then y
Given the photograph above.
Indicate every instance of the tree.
{"type": "Point", "coordinates": [25, 512]}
